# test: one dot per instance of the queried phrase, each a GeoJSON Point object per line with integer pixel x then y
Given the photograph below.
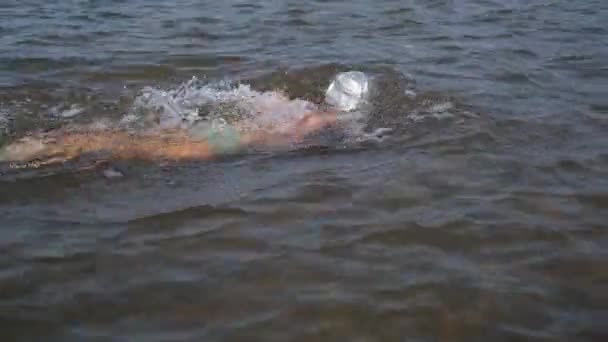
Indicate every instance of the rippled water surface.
{"type": "Point", "coordinates": [482, 216]}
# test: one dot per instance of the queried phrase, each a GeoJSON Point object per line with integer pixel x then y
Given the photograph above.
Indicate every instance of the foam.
{"type": "Point", "coordinates": [181, 107]}
{"type": "Point", "coordinates": [3, 121]}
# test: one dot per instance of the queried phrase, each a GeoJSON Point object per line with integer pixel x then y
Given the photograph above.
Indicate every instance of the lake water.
{"type": "Point", "coordinates": [481, 216]}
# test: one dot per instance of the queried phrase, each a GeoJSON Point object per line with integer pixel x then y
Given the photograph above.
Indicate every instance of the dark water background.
{"type": "Point", "coordinates": [488, 225]}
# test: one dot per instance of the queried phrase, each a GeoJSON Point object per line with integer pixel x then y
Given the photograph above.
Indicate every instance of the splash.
{"type": "Point", "coordinates": [196, 113]}
{"type": "Point", "coordinates": [193, 104]}
{"type": "Point", "coordinates": [3, 122]}
{"type": "Point", "coordinates": [437, 110]}
{"type": "Point", "coordinates": [201, 108]}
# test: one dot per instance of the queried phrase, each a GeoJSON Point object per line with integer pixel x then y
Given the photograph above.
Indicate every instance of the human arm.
{"type": "Point", "coordinates": [166, 145]}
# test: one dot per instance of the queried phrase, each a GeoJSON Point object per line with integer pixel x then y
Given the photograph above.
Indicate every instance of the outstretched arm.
{"type": "Point", "coordinates": [172, 145]}
{"type": "Point", "coordinates": [118, 144]}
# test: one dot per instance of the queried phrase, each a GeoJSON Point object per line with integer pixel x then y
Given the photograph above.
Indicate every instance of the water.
{"type": "Point", "coordinates": [481, 215]}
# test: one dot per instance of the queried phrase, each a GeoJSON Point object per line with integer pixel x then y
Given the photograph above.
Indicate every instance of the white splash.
{"type": "Point", "coordinates": [439, 111]}
{"type": "Point", "coordinates": [254, 110]}
{"type": "Point", "coordinates": [72, 111]}
{"type": "Point", "coordinates": [196, 107]}
{"type": "Point", "coordinates": [3, 121]}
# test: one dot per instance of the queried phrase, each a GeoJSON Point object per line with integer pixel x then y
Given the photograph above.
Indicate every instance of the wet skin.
{"type": "Point", "coordinates": [176, 144]}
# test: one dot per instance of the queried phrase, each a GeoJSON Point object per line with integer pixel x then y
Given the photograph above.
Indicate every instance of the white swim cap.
{"type": "Point", "coordinates": [347, 90]}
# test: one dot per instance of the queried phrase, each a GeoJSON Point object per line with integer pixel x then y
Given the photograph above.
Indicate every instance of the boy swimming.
{"type": "Point", "coordinates": [345, 93]}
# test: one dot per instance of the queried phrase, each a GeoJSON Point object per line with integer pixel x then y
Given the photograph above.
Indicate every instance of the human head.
{"type": "Point", "coordinates": [347, 90]}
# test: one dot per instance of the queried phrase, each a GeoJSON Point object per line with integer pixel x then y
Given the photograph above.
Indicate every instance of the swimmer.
{"type": "Point", "coordinates": [344, 94]}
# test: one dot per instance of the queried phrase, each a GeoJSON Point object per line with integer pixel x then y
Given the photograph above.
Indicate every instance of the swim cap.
{"type": "Point", "coordinates": [347, 90]}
